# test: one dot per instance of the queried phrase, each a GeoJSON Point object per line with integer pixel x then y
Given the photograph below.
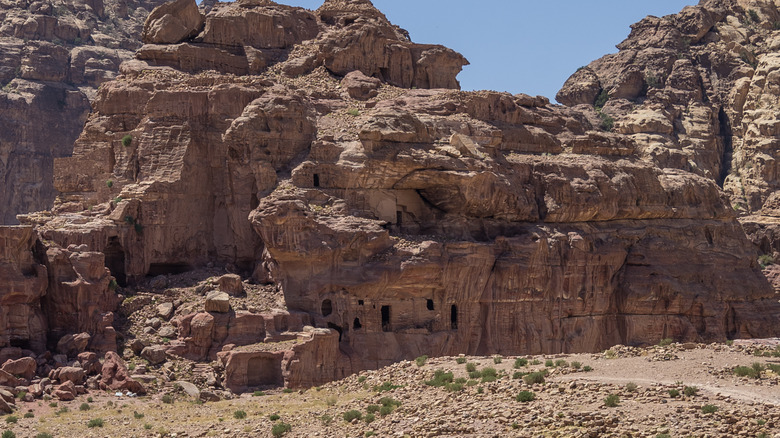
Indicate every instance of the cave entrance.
{"type": "Point", "coordinates": [429, 304]}
{"type": "Point", "coordinates": [24, 344]}
{"type": "Point", "coordinates": [326, 308]}
{"type": "Point", "coordinates": [115, 260]}
{"type": "Point", "coordinates": [356, 324]}
{"type": "Point", "coordinates": [385, 318]}
{"type": "Point", "coordinates": [264, 371]}
{"type": "Point", "coordinates": [316, 180]}
{"type": "Point", "coordinates": [337, 328]}
{"type": "Point", "coordinates": [454, 317]}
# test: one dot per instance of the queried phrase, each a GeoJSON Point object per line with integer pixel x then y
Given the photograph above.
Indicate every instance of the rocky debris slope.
{"type": "Point", "coordinates": [397, 215]}
{"type": "Point", "coordinates": [53, 56]}
{"type": "Point", "coordinates": [694, 91]}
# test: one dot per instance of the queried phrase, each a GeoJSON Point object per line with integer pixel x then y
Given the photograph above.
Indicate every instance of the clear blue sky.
{"type": "Point", "coordinates": [520, 46]}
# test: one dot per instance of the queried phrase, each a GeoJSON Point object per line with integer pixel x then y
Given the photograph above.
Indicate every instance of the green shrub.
{"type": "Point", "coordinates": [44, 435]}
{"type": "Point", "coordinates": [420, 361]}
{"type": "Point", "coordinates": [631, 386]}
{"type": "Point", "coordinates": [766, 260]}
{"type": "Point", "coordinates": [167, 398]}
{"type": "Point", "coordinates": [611, 401]}
{"type": "Point", "coordinates": [127, 140]}
{"type": "Point", "coordinates": [576, 365]}
{"type": "Point", "coordinates": [497, 359]}
{"type": "Point", "coordinates": [280, 429]}
{"type": "Point", "coordinates": [29, 415]}
{"type": "Point", "coordinates": [673, 393]}
{"type": "Point", "coordinates": [147, 426]}
{"type": "Point", "coordinates": [526, 396]}
{"type": "Point", "coordinates": [90, 399]}
{"type": "Point", "coordinates": [535, 362]}
{"type": "Point", "coordinates": [758, 367]}
{"type": "Point", "coordinates": [666, 341]}
{"type": "Point", "coordinates": [362, 379]}
{"type": "Point", "coordinates": [369, 418]}
{"type": "Point", "coordinates": [774, 367]}
{"type": "Point", "coordinates": [709, 409]}
{"type": "Point", "coordinates": [561, 363]}
{"type": "Point", "coordinates": [137, 415]}
{"type": "Point", "coordinates": [388, 405]}
{"type": "Point", "coordinates": [475, 375]}
{"type": "Point", "coordinates": [549, 363]}
{"type": "Point", "coordinates": [652, 81]}
{"type": "Point", "coordinates": [372, 409]}
{"type": "Point", "coordinates": [9, 434]}
{"type": "Point", "coordinates": [273, 417]}
{"type": "Point", "coordinates": [460, 360]}
{"type": "Point", "coordinates": [521, 362]}
{"type": "Point", "coordinates": [370, 433]}
{"type": "Point", "coordinates": [11, 419]}
{"type": "Point", "coordinates": [517, 375]}
{"type": "Point", "coordinates": [258, 394]}
{"type": "Point", "coordinates": [601, 100]}
{"type": "Point", "coordinates": [607, 123]}
{"type": "Point", "coordinates": [20, 395]}
{"type": "Point", "coordinates": [353, 112]}
{"type": "Point", "coordinates": [489, 374]}
{"type": "Point", "coordinates": [352, 415]}
{"type": "Point", "coordinates": [690, 391]}
{"type": "Point", "coordinates": [587, 368]}
{"type": "Point", "coordinates": [84, 407]}
{"type": "Point", "coordinates": [471, 367]}
{"type": "Point", "coordinates": [387, 386]}
{"type": "Point", "coordinates": [534, 378]}
{"type": "Point", "coordinates": [239, 415]}
{"type": "Point", "coordinates": [385, 410]}
{"type": "Point", "coordinates": [326, 419]}
{"type": "Point", "coordinates": [95, 422]}
{"type": "Point", "coordinates": [663, 435]}
{"type": "Point", "coordinates": [743, 371]}
{"type": "Point", "coordinates": [287, 390]}
{"type": "Point", "coordinates": [754, 16]}
{"type": "Point", "coordinates": [440, 378]}
{"type": "Point", "coordinates": [110, 183]}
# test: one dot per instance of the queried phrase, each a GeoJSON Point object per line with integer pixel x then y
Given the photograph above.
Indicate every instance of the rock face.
{"type": "Point", "coordinates": [53, 56]}
{"type": "Point", "coordinates": [694, 91]}
{"type": "Point", "coordinates": [399, 221]}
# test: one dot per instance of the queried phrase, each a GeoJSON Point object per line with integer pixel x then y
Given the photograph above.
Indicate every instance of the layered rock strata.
{"type": "Point", "coordinates": [396, 221]}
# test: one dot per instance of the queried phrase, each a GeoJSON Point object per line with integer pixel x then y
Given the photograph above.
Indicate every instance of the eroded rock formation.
{"type": "Point", "coordinates": [53, 56]}
{"type": "Point", "coordinates": [331, 156]}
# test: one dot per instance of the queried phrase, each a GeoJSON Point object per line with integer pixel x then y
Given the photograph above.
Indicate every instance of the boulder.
{"type": "Point", "coordinates": [173, 22]}
{"type": "Point", "coordinates": [231, 284]}
{"type": "Point", "coordinates": [69, 374]}
{"type": "Point", "coordinates": [65, 392]}
{"type": "Point", "coordinates": [165, 311]}
{"type": "Point", "coordinates": [89, 362]}
{"type": "Point", "coordinates": [218, 302]}
{"type": "Point", "coordinates": [155, 354]}
{"type": "Point", "coordinates": [24, 367]}
{"type": "Point", "coordinates": [359, 86]}
{"type": "Point", "coordinates": [72, 345]}
{"type": "Point", "coordinates": [115, 377]}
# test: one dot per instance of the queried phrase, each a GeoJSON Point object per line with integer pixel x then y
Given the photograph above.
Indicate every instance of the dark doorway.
{"type": "Point", "coordinates": [327, 307]}
{"type": "Point", "coordinates": [360, 302]}
{"type": "Point", "coordinates": [316, 180]}
{"type": "Point", "coordinates": [264, 371]}
{"type": "Point", "coordinates": [429, 304]}
{"type": "Point", "coordinates": [356, 325]}
{"type": "Point", "coordinates": [337, 328]}
{"type": "Point", "coordinates": [385, 318]}
{"type": "Point", "coordinates": [115, 260]}
{"type": "Point", "coordinates": [454, 317]}
{"type": "Point", "coordinates": [399, 217]}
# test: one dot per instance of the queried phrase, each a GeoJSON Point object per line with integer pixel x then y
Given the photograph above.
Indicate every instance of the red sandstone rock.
{"type": "Point", "coordinates": [114, 375]}
{"type": "Point", "coordinates": [24, 367]}
{"type": "Point", "coordinates": [65, 392]}
{"type": "Point", "coordinates": [172, 22]}
{"type": "Point", "coordinates": [231, 284]}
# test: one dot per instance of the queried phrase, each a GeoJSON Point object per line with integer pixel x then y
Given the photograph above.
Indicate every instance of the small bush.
{"type": "Point", "coordinates": [709, 409]}
{"type": "Point", "coordinates": [489, 374]}
{"type": "Point", "coordinates": [127, 140]}
{"type": "Point", "coordinates": [11, 419]}
{"type": "Point", "coordinates": [601, 99]}
{"type": "Point", "coordinates": [147, 426]}
{"type": "Point", "coordinates": [167, 399]}
{"type": "Point", "coordinates": [673, 393]}
{"type": "Point", "coordinates": [353, 112]}
{"type": "Point", "coordinates": [95, 422]}
{"type": "Point", "coordinates": [326, 419]}
{"type": "Point", "coordinates": [534, 378]}
{"type": "Point", "coordinates": [280, 429]}
{"type": "Point", "coordinates": [521, 362]}
{"type": "Point", "coordinates": [84, 407]}
{"type": "Point", "coordinates": [517, 375]}
{"type": "Point", "coordinates": [137, 415]}
{"type": "Point", "coordinates": [475, 375]}
{"type": "Point", "coordinates": [774, 367]}
{"type": "Point", "coordinates": [9, 434]}
{"type": "Point", "coordinates": [287, 390]}
{"type": "Point", "coordinates": [460, 360]}
{"type": "Point", "coordinates": [44, 435]}
{"type": "Point", "coordinates": [743, 371]}
{"type": "Point", "coordinates": [587, 368]}
{"type": "Point", "coordinates": [607, 122]}
{"type": "Point", "coordinates": [526, 396]}
{"type": "Point", "coordinates": [352, 415]}
{"type": "Point", "coordinates": [576, 365]}
{"type": "Point", "coordinates": [440, 378]}
{"type": "Point", "coordinates": [497, 359]}
{"type": "Point", "coordinates": [611, 401]}
{"type": "Point", "coordinates": [561, 363]}
{"type": "Point", "coordinates": [110, 183]}
{"type": "Point", "coordinates": [471, 367]}
{"type": "Point", "coordinates": [53, 404]}
{"type": "Point", "coordinates": [29, 415]}
{"type": "Point", "coordinates": [62, 410]}
{"type": "Point", "coordinates": [665, 342]}
{"type": "Point", "coordinates": [258, 394]}
{"type": "Point", "coordinates": [20, 395]}
{"type": "Point", "coordinates": [690, 391]}
{"type": "Point", "coordinates": [239, 415]}
{"type": "Point", "coordinates": [549, 363]}
{"type": "Point", "coordinates": [758, 367]}
{"type": "Point", "coordinates": [387, 386]}
{"type": "Point", "coordinates": [362, 379]}
{"type": "Point", "coordinates": [766, 260]}
{"type": "Point", "coordinates": [631, 386]}
{"type": "Point", "coordinates": [420, 361]}
{"type": "Point", "coordinates": [754, 16]}
{"type": "Point", "coordinates": [273, 417]}
{"type": "Point", "coordinates": [535, 362]}
{"type": "Point", "coordinates": [372, 409]}
{"type": "Point", "coordinates": [90, 399]}
{"type": "Point", "coordinates": [369, 418]}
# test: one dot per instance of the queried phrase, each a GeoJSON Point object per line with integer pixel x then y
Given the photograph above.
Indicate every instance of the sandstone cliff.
{"type": "Point", "coordinates": [53, 56]}
{"type": "Point", "coordinates": [327, 154]}
{"type": "Point", "coordinates": [695, 92]}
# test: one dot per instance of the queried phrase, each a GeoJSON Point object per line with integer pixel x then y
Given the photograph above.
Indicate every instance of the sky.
{"type": "Point", "coordinates": [520, 46]}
